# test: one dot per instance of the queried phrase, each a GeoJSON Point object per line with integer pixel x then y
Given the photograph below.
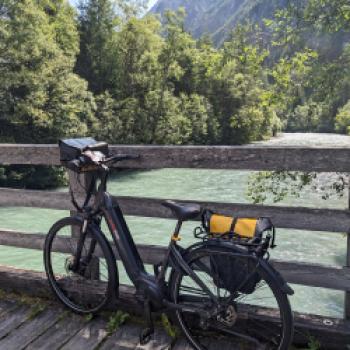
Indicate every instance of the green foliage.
{"type": "Point", "coordinates": [315, 35]}
{"type": "Point", "coordinates": [275, 186]}
{"type": "Point", "coordinates": [39, 177]}
{"type": "Point", "coordinates": [342, 120]}
{"type": "Point", "coordinates": [306, 118]}
{"type": "Point", "coordinates": [116, 320]}
{"type": "Point", "coordinates": [110, 73]}
{"type": "Point", "coordinates": [36, 309]}
{"type": "Point", "coordinates": [88, 317]}
{"type": "Point", "coordinates": [164, 87]}
{"type": "Point", "coordinates": [314, 344]}
{"type": "Point", "coordinates": [172, 331]}
{"type": "Point", "coordinates": [41, 99]}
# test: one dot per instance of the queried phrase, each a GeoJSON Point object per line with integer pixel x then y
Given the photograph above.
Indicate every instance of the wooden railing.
{"type": "Point", "coordinates": [218, 157]}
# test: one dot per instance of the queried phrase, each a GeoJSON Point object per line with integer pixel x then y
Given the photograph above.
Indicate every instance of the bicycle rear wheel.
{"type": "Point", "coordinates": [258, 319]}
{"type": "Point", "coordinates": [94, 282]}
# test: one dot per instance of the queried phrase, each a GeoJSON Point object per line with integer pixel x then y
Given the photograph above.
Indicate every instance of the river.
{"type": "Point", "coordinates": [209, 185]}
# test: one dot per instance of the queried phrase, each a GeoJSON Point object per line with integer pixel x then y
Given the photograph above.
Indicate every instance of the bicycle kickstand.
{"type": "Point", "coordinates": [146, 334]}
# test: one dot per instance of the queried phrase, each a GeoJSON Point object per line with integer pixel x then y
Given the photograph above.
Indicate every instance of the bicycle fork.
{"type": "Point", "coordinates": [78, 263]}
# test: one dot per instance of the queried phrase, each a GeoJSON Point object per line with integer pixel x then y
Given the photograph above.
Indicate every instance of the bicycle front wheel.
{"type": "Point", "coordinates": [242, 317]}
{"type": "Point", "coordinates": [87, 286]}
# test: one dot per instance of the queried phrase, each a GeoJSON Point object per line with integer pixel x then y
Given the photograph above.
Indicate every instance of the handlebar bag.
{"type": "Point", "coordinates": [71, 149]}
{"type": "Point", "coordinates": [235, 273]}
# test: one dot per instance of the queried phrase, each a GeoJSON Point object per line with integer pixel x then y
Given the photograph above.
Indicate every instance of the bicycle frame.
{"type": "Point", "coordinates": [147, 285]}
{"type": "Point", "coordinates": [151, 286]}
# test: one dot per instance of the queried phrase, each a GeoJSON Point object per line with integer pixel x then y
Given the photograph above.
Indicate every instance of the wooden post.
{"type": "Point", "coordinates": [79, 185]}
{"type": "Point", "coordinates": [347, 264]}
{"type": "Point", "coordinates": [347, 294]}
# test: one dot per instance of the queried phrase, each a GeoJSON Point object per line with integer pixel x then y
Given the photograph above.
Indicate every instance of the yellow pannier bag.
{"type": "Point", "coordinates": [244, 227]}
{"type": "Point", "coordinates": [217, 224]}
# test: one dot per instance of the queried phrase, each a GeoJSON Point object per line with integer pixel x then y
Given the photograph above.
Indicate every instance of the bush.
{"type": "Point", "coordinates": [342, 120]}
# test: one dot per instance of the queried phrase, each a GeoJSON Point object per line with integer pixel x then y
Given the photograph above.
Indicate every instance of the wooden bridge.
{"type": "Point", "coordinates": [332, 333]}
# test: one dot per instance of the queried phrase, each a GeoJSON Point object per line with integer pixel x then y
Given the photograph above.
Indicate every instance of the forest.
{"type": "Point", "coordinates": [108, 70]}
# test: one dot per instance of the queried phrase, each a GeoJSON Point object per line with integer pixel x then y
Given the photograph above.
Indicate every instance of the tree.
{"type": "Point", "coordinates": [41, 98]}
{"type": "Point", "coordinates": [343, 119]}
{"type": "Point", "coordinates": [321, 27]}
{"type": "Point", "coordinates": [238, 93]}
{"type": "Point", "coordinates": [96, 61]}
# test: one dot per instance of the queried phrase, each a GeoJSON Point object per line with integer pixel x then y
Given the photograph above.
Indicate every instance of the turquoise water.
{"type": "Point", "coordinates": [207, 185]}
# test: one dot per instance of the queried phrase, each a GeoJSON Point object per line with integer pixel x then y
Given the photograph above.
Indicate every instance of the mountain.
{"type": "Point", "coordinates": [218, 17]}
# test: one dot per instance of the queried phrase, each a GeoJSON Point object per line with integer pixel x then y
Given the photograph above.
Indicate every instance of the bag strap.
{"type": "Point", "coordinates": [233, 225]}
{"type": "Point", "coordinates": [206, 215]}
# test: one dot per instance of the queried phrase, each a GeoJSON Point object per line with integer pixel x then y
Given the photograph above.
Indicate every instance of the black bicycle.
{"type": "Point", "coordinates": [221, 290]}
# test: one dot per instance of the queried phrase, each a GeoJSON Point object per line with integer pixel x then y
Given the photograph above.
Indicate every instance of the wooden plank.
{"type": "Point", "coordinates": [29, 154]}
{"type": "Point", "coordinates": [59, 334]}
{"type": "Point", "coordinates": [347, 264]}
{"type": "Point", "coordinates": [338, 278]}
{"type": "Point", "coordinates": [14, 320]}
{"type": "Point", "coordinates": [347, 294]}
{"type": "Point", "coordinates": [35, 284]}
{"type": "Point", "coordinates": [182, 344]}
{"type": "Point", "coordinates": [314, 275]}
{"type": "Point", "coordinates": [125, 338]}
{"type": "Point", "coordinates": [11, 197]}
{"type": "Point", "coordinates": [35, 199]}
{"type": "Point", "coordinates": [334, 332]}
{"type": "Point", "coordinates": [7, 307]}
{"type": "Point", "coordinates": [30, 330]}
{"type": "Point", "coordinates": [89, 337]}
{"type": "Point", "coordinates": [329, 220]}
{"type": "Point", "coordinates": [322, 159]}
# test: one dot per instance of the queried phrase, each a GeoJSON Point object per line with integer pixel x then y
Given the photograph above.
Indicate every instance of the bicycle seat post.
{"type": "Point", "coordinates": [176, 236]}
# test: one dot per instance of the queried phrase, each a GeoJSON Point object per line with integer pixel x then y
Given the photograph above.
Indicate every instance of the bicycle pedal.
{"type": "Point", "coordinates": [146, 336]}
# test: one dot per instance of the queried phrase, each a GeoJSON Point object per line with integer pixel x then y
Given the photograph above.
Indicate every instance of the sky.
{"type": "Point", "coordinates": [150, 3]}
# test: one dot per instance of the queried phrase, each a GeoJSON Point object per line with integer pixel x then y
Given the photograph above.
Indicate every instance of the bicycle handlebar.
{"type": "Point", "coordinates": [119, 158]}
{"type": "Point", "coordinates": [88, 160]}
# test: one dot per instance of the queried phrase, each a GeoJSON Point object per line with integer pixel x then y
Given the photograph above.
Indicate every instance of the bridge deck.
{"type": "Point", "coordinates": [37, 327]}
{"type": "Point", "coordinates": [34, 326]}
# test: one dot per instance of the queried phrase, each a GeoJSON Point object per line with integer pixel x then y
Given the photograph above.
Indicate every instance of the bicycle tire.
{"type": "Point", "coordinates": [67, 286]}
{"type": "Point", "coordinates": [193, 330]}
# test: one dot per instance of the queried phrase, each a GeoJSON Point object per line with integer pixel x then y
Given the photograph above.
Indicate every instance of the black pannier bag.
{"type": "Point", "coordinates": [235, 273]}
{"type": "Point", "coordinates": [231, 272]}
{"type": "Point", "coordinates": [71, 150]}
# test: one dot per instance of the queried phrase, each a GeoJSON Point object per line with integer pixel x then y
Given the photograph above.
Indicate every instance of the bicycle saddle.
{"type": "Point", "coordinates": [183, 211]}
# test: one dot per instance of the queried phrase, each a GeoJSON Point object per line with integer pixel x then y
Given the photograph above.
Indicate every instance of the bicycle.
{"type": "Point", "coordinates": [190, 284]}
